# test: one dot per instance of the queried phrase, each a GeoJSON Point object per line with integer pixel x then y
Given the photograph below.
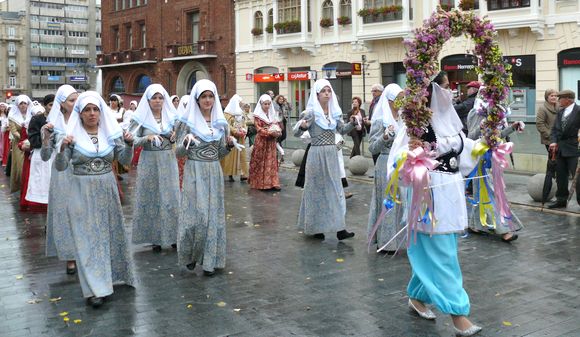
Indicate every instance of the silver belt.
{"type": "Point", "coordinates": [325, 138]}
{"type": "Point", "coordinates": [95, 166]}
{"type": "Point", "coordinates": [206, 153]}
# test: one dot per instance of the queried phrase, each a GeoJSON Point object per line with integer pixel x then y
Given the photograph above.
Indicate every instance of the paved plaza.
{"type": "Point", "coordinates": [278, 282]}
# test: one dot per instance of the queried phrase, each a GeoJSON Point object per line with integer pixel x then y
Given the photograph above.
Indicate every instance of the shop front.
{"type": "Point", "coordinates": [267, 78]}
{"type": "Point", "coordinates": [569, 69]}
{"type": "Point", "coordinates": [299, 89]}
{"type": "Point", "coordinates": [339, 74]}
{"type": "Point", "coordinates": [460, 69]}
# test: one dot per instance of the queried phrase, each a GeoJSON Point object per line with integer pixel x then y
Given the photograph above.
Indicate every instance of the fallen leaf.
{"type": "Point", "coordinates": [207, 296]}
{"type": "Point", "coordinates": [308, 278]}
{"type": "Point", "coordinates": [339, 260]}
{"type": "Point", "coordinates": [300, 232]}
{"type": "Point", "coordinates": [34, 301]}
{"type": "Point", "coordinates": [171, 275]}
{"type": "Point", "coordinates": [230, 272]}
{"type": "Point", "coordinates": [19, 277]}
{"type": "Point", "coordinates": [381, 279]}
{"type": "Point", "coordinates": [221, 304]}
{"type": "Point", "coordinates": [237, 310]}
{"type": "Point", "coordinates": [506, 323]}
{"type": "Point", "coordinates": [307, 308]}
{"type": "Point", "coordinates": [64, 313]}
{"type": "Point", "coordinates": [66, 319]}
{"type": "Point", "coordinates": [77, 321]}
{"type": "Point", "coordinates": [189, 306]}
{"type": "Point", "coordinates": [56, 299]}
{"type": "Point", "coordinates": [322, 262]}
{"type": "Point", "coordinates": [497, 294]}
{"type": "Point", "coordinates": [256, 225]}
{"type": "Point", "coordinates": [334, 251]}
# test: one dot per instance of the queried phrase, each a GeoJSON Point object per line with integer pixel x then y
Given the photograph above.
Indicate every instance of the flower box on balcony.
{"type": "Point", "coordinates": [288, 27]}
{"type": "Point", "coordinates": [257, 31]}
{"type": "Point", "coordinates": [381, 14]}
{"type": "Point", "coordinates": [467, 5]}
{"type": "Point", "coordinates": [325, 22]}
{"type": "Point", "coordinates": [343, 20]}
{"type": "Point", "coordinates": [269, 29]}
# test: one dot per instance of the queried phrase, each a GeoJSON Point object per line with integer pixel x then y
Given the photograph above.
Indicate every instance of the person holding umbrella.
{"type": "Point", "coordinates": [565, 142]}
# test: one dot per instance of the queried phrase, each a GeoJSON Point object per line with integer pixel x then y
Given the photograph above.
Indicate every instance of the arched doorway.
{"type": "Point", "coordinates": [190, 73]}
{"type": "Point", "coordinates": [143, 81]}
{"type": "Point", "coordinates": [265, 80]}
{"type": "Point", "coordinates": [569, 69]}
{"type": "Point", "coordinates": [339, 74]}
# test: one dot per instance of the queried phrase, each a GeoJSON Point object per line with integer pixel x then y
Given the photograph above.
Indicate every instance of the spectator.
{"type": "Point", "coordinates": [357, 134]}
{"type": "Point", "coordinates": [466, 105]}
{"type": "Point", "coordinates": [546, 116]}
{"type": "Point", "coordinates": [376, 91]}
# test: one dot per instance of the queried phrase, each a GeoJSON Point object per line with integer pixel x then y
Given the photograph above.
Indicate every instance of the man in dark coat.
{"type": "Point", "coordinates": [466, 105]}
{"type": "Point", "coordinates": [565, 141]}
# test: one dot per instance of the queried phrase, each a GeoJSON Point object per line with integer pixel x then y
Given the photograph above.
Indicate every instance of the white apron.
{"type": "Point", "coordinates": [39, 179]}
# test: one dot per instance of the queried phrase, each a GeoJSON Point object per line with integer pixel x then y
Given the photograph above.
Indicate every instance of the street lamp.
{"type": "Point", "coordinates": [364, 70]}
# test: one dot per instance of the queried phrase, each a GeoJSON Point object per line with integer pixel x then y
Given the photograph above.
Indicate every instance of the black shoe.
{"type": "Point", "coordinates": [174, 245]}
{"type": "Point", "coordinates": [318, 236]}
{"type": "Point", "coordinates": [71, 270]}
{"type": "Point", "coordinates": [514, 237]}
{"type": "Point", "coordinates": [95, 302]}
{"type": "Point", "coordinates": [156, 248]}
{"type": "Point", "coordinates": [348, 195]}
{"type": "Point", "coordinates": [209, 273]}
{"type": "Point", "coordinates": [191, 266]}
{"type": "Point", "coordinates": [243, 178]}
{"type": "Point", "coordinates": [557, 204]}
{"type": "Point", "coordinates": [232, 178]}
{"type": "Point", "coordinates": [276, 189]}
{"type": "Point", "coordinates": [343, 234]}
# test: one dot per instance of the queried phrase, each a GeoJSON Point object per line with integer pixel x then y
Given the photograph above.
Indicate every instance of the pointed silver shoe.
{"type": "Point", "coordinates": [428, 314]}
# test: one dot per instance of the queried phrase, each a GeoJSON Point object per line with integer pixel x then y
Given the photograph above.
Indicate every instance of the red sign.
{"type": "Point", "coordinates": [356, 69]}
{"type": "Point", "coordinates": [259, 78]}
{"type": "Point", "coordinates": [299, 76]}
{"type": "Point", "coordinates": [249, 77]}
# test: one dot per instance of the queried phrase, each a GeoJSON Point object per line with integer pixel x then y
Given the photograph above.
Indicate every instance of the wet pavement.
{"type": "Point", "coordinates": [278, 282]}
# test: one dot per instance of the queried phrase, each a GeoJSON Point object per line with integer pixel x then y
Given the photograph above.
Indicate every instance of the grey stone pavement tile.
{"type": "Point", "coordinates": [278, 282]}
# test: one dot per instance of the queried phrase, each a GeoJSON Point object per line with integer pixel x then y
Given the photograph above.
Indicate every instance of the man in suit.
{"type": "Point", "coordinates": [564, 139]}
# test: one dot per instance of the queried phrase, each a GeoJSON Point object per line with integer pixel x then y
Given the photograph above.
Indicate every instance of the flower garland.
{"type": "Point", "coordinates": [421, 62]}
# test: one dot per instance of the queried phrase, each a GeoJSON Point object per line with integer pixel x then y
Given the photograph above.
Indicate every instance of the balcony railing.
{"type": "Point", "coordinates": [127, 56]}
{"type": "Point", "coordinates": [201, 48]}
{"type": "Point", "coordinates": [381, 14]}
{"type": "Point", "coordinates": [493, 5]}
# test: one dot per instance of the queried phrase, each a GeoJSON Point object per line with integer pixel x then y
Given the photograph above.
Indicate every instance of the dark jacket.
{"type": "Point", "coordinates": [363, 130]}
{"type": "Point", "coordinates": [463, 109]}
{"type": "Point", "coordinates": [34, 126]}
{"type": "Point", "coordinates": [567, 138]}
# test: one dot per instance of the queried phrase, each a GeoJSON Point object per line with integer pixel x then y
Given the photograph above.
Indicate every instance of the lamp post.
{"type": "Point", "coordinates": [363, 68]}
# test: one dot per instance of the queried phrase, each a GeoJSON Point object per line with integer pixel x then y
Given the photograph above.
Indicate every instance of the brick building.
{"type": "Point", "coordinates": [173, 43]}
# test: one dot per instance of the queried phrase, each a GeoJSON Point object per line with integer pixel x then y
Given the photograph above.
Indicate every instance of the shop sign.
{"type": "Point", "coordinates": [186, 50]}
{"type": "Point", "coordinates": [78, 78]}
{"type": "Point", "coordinates": [356, 69]}
{"type": "Point", "coordinates": [249, 77]}
{"type": "Point", "coordinates": [53, 78]}
{"type": "Point", "coordinates": [459, 62]}
{"type": "Point", "coordinates": [569, 58]}
{"type": "Point", "coordinates": [300, 76]}
{"type": "Point", "coordinates": [343, 73]}
{"type": "Point", "coordinates": [521, 62]}
{"type": "Point", "coordinates": [260, 78]}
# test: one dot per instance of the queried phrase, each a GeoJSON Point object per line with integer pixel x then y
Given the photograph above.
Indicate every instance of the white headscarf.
{"type": "Point", "coordinates": [134, 103]}
{"type": "Point", "coordinates": [383, 110]}
{"type": "Point", "coordinates": [109, 129]}
{"type": "Point", "coordinates": [182, 106]}
{"type": "Point", "coordinates": [334, 110]}
{"type": "Point", "coordinates": [37, 108]}
{"type": "Point", "coordinates": [233, 107]}
{"type": "Point", "coordinates": [55, 115]}
{"type": "Point", "coordinates": [444, 120]}
{"type": "Point", "coordinates": [272, 116]}
{"type": "Point", "coordinates": [15, 114]}
{"type": "Point", "coordinates": [144, 116]}
{"type": "Point", "coordinates": [194, 118]}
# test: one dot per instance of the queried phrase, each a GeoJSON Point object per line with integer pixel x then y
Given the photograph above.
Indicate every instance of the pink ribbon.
{"type": "Point", "coordinates": [416, 173]}
{"type": "Point", "coordinates": [499, 163]}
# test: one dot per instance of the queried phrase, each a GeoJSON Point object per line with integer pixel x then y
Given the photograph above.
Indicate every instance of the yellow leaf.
{"type": "Point", "coordinates": [66, 319]}
{"type": "Point", "coordinates": [64, 313]}
{"type": "Point", "coordinates": [221, 304]}
{"type": "Point", "coordinates": [77, 321]}
{"type": "Point", "coordinates": [19, 277]}
{"type": "Point", "coordinates": [189, 306]}
{"type": "Point", "coordinates": [34, 301]}
{"type": "Point", "coordinates": [339, 260]}
{"type": "Point", "coordinates": [381, 279]}
{"type": "Point", "coordinates": [256, 225]}
{"type": "Point", "coordinates": [506, 323]}
{"type": "Point", "coordinates": [237, 310]}
{"type": "Point", "coordinates": [56, 299]}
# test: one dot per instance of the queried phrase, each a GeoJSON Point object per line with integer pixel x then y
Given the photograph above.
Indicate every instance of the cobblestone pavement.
{"type": "Point", "coordinates": [278, 282]}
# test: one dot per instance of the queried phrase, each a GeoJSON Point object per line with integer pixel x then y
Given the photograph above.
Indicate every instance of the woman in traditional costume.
{"type": "Point", "coordinates": [157, 186]}
{"type": "Point", "coordinates": [35, 172]}
{"type": "Point", "coordinates": [436, 275]}
{"type": "Point", "coordinates": [204, 139]}
{"type": "Point", "coordinates": [263, 163]}
{"type": "Point", "coordinates": [59, 239]}
{"type": "Point", "coordinates": [4, 134]}
{"type": "Point", "coordinates": [235, 164]}
{"type": "Point", "coordinates": [323, 206]}
{"type": "Point", "coordinates": [94, 139]}
{"type": "Point", "coordinates": [384, 127]}
{"type": "Point", "coordinates": [18, 119]}
{"type": "Point", "coordinates": [180, 123]}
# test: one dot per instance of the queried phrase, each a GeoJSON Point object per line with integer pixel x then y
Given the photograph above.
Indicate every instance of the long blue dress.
{"type": "Point", "coordinates": [323, 206]}
{"type": "Point", "coordinates": [94, 207]}
{"type": "Point", "coordinates": [392, 222]}
{"type": "Point", "coordinates": [59, 240]}
{"type": "Point", "coordinates": [202, 220]}
{"type": "Point", "coordinates": [156, 205]}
